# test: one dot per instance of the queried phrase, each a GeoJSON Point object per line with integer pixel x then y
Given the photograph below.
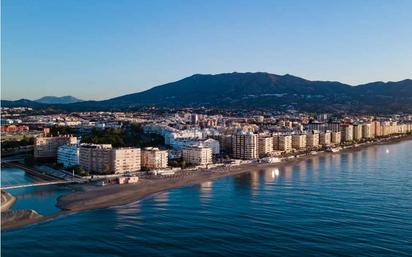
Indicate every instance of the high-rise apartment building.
{"type": "Point", "coordinates": [336, 138]}
{"type": "Point", "coordinates": [285, 143]}
{"type": "Point", "coordinates": [312, 140]}
{"type": "Point", "coordinates": [325, 138]}
{"type": "Point", "coordinates": [265, 144]}
{"type": "Point", "coordinates": [299, 141]}
{"type": "Point", "coordinates": [244, 145]}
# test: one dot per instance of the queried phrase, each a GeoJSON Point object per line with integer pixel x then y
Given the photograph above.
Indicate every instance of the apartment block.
{"type": "Point", "coordinates": [96, 158]}
{"type": "Point", "coordinates": [285, 143]}
{"type": "Point", "coordinates": [312, 140]}
{"type": "Point", "coordinates": [126, 159]}
{"type": "Point", "coordinates": [347, 132]}
{"type": "Point", "coordinates": [68, 155]}
{"type": "Point", "coordinates": [103, 159]}
{"type": "Point", "coordinates": [368, 130]}
{"type": "Point", "coordinates": [265, 145]}
{"type": "Point", "coordinates": [46, 147]}
{"type": "Point", "coordinates": [197, 155]}
{"type": "Point", "coordinates": [299, 141]}
{"type": "Point", "coordinates": [357, 132]}
{"type": "Point", "coordinates": [325, 138]}
{"type": "Point", "coordinates": [244, 145]}
{"type": "Point", "coordinates": [336, 138]}
{"type": "Point", "coordinates": [154, 158]}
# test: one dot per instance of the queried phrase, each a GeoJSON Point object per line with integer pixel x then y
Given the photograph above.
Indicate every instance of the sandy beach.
{"type": "Point", "coordinates": [89, 197]}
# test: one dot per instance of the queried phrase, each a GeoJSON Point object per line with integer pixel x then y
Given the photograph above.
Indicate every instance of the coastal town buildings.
{"type": "Point", "coordinates": [46, 147]}
{"type": "Point", "coordinates": [197, 155]}
{"type": "Point", "coordinates": [154, 158]}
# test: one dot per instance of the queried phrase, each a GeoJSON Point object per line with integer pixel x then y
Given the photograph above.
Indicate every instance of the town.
{"type": "Point", "coordinates": [121, 147]}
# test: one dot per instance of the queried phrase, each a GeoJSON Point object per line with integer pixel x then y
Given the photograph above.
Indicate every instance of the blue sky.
{"type": "Point", "coordinates": [97, 49]}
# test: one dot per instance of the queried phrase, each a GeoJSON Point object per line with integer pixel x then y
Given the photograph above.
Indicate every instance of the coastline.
{"type": "Point", "coordinates": [92, 197]}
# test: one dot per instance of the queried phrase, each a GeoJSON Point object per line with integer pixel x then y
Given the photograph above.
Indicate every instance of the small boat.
{"type": "Point", "coordinates": [333, 149]}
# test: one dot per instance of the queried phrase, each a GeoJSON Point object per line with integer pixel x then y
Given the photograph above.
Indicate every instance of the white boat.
{"type": "Point", "coordinates": [333, 149]}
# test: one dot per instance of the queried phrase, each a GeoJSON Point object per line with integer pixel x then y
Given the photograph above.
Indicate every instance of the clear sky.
{"type": "Point", "coordinates": [97, 49]}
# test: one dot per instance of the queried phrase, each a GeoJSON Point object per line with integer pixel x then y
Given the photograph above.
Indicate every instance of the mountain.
{"type": "Point", "coordinates": [58, 100]}
{"type": "Point", "coordinates": [264, 91]}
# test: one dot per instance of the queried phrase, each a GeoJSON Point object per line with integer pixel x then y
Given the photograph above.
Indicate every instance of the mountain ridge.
{"type": "Point", "coordinates": [263, 90]}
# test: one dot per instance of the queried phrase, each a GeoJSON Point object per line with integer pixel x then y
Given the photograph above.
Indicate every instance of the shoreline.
{"type": "Point", "coordinates": [91, 197]}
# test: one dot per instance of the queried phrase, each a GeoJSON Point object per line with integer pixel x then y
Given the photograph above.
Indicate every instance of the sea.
{"type": "Point", "coordinates": [339, 204]}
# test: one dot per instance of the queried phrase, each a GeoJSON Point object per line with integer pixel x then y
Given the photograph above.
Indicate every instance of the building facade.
{"type": "Point", "coordinates": [68, 155]}
{"type": "Point", "coordinates": [244, 145]}
{"type": "Point", "coordinates": [197, 155]}
{"type": "Point", "coordinates": [154, 158]}
{"type": "Point", "coordinates": [46, 147]}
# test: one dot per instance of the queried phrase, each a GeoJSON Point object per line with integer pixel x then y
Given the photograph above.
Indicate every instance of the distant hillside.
{"type": "Point", "coordinates": [58, 100]}
{"type": "Point", "coordinates": [264, 91]}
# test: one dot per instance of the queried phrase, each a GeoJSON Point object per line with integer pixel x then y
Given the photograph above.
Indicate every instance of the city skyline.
{"type": "Point", "coordinates": [90, 51]}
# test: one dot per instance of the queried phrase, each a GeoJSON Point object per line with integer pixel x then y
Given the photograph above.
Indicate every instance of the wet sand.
{"type": "Point", "coordinates": [90, 197]}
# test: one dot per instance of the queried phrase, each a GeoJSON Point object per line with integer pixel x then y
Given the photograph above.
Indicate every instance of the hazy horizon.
{"type": "Point", "coordinates": [104, 49]}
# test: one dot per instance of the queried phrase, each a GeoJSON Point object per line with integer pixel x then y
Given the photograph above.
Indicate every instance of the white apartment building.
{"type": "Point", "coordinates": [68, 155]}
{"type": "Point", "coordinates": [197, 155]}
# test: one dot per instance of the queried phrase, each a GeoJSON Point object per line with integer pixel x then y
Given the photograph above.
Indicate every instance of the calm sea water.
{"type": "Point", "coordinates": [349, 204]}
